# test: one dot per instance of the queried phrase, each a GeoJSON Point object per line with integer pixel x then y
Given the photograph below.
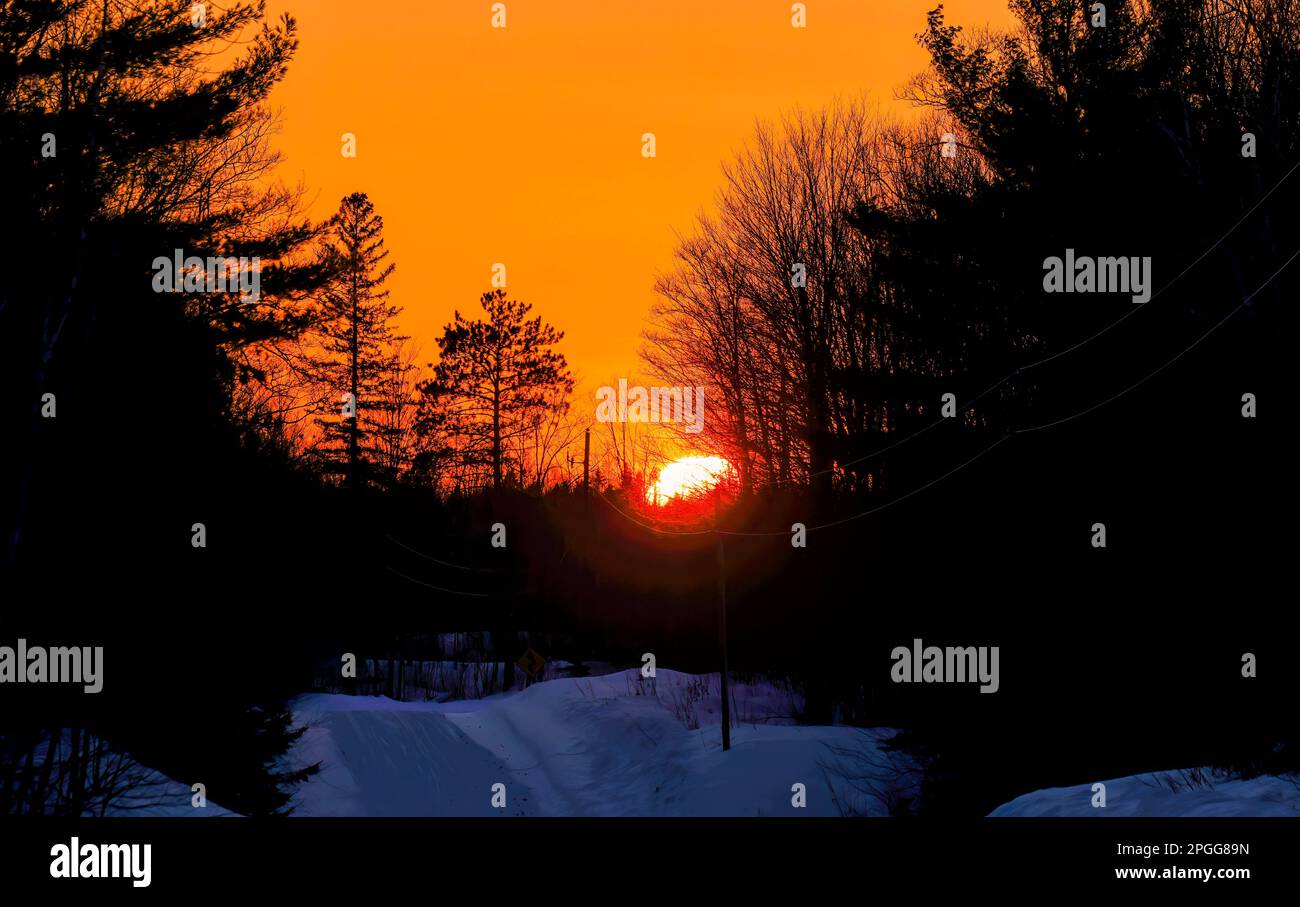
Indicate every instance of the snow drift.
{"type": "Point", "coordinates": [615, 745]}
{"type": "Point", "coordinates": [1164, 794]}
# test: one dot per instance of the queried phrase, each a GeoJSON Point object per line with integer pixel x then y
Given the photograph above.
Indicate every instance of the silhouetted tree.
{"type": "Point", "coordinates": [396, 440]}
{"type": "Point", "coordinates": [358, 346]}
{"type": "Point", "coordinates": [780, 307]}
{"type": "Point", "coordinates": [493, 377]}
{"type": "Point", "coordinates": [124, 145]}
{"type": "Point", "coordinates": [129, 133]}
{"type": "Point", "coordinates": [1127, 139]}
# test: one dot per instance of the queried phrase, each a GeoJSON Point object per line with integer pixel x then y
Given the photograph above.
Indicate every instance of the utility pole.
{"type": "Point", "coordinates": [586, 467]}
{"type": "Point", "coordinates": [722, 620]}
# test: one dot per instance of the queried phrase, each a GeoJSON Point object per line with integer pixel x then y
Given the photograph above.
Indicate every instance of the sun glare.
{"type": "Point", "coordinates": [685, 477]}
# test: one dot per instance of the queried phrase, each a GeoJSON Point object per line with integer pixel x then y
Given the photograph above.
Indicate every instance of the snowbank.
{"type": "Point", "coordinates": [615, 745]}
{"type": "Point", "coordinates": [1155, 795]}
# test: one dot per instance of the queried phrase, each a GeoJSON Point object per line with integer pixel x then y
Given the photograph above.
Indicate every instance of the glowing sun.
{"type": "Point", "coordinates": [685, 477]}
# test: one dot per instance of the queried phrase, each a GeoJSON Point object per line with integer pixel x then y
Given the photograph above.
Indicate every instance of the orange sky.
{"type": "Point", "coordinates": [522, 145]}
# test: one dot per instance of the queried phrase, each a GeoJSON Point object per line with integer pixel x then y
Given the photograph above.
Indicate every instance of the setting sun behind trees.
{"type": "Point", "coordinates": [686, 477]}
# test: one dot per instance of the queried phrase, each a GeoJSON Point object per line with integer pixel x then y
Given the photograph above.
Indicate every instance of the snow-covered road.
{"type": "Point", "coordinates": [601, 746]}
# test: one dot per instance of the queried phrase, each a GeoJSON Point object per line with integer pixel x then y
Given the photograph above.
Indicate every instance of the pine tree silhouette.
{"type": "Point", "coordinates": [491, 375]}
{"type": "Point", "coordinates": [359, 346]}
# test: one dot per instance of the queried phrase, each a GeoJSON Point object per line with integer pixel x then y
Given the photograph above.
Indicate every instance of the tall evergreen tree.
{"type": "Point", "coordinates": [129, 131]}
{"type": "Point", "coordinates": [125, 144]}
{"type": "Point", "coordinates": [492, 375]}
{"type": "Point", "coordinates": [358, 345]}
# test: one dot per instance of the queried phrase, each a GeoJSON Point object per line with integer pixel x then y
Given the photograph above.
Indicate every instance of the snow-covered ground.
{"type": "Point", "coordinates": [1163, 794]}
{"type": "Point", "coordinates": [158, 795]}
{"type": "Point", "coordinates": [139, 789]}
{"type": "Point", "coordinates": [622, 745]}
{"type": "Point", "coordinates": [614, 745]}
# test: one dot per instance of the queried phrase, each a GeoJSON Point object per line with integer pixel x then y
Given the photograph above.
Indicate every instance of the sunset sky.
{"type": "Point", "coordinates": [522, 145]}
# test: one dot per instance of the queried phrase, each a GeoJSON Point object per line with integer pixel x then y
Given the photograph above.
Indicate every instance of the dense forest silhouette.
{"type": "Point", "coordinates": [133, 417]}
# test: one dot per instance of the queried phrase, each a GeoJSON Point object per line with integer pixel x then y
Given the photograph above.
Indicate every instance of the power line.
{"type": "Point", "coordinates": [981, 453]}
{"type": "Point", "coordinates": [436, 561]}
{"type": "Point", "coordinates": [437, 588]}
{"type": "Point", "coordinates": [1084, 342]}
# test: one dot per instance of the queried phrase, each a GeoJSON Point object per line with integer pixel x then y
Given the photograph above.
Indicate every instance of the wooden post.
{"type": "Point", "coordinates": [722, 622]}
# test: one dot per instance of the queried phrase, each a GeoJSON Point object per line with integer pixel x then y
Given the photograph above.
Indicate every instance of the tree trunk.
{"type": "Point", "coordinates": [496, 438]}
{"type": "Point", "coordinates": [354, 453]}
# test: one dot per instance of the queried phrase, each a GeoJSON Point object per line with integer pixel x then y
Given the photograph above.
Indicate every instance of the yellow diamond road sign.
{"type": "Point", "coordinates": [531, 663]}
